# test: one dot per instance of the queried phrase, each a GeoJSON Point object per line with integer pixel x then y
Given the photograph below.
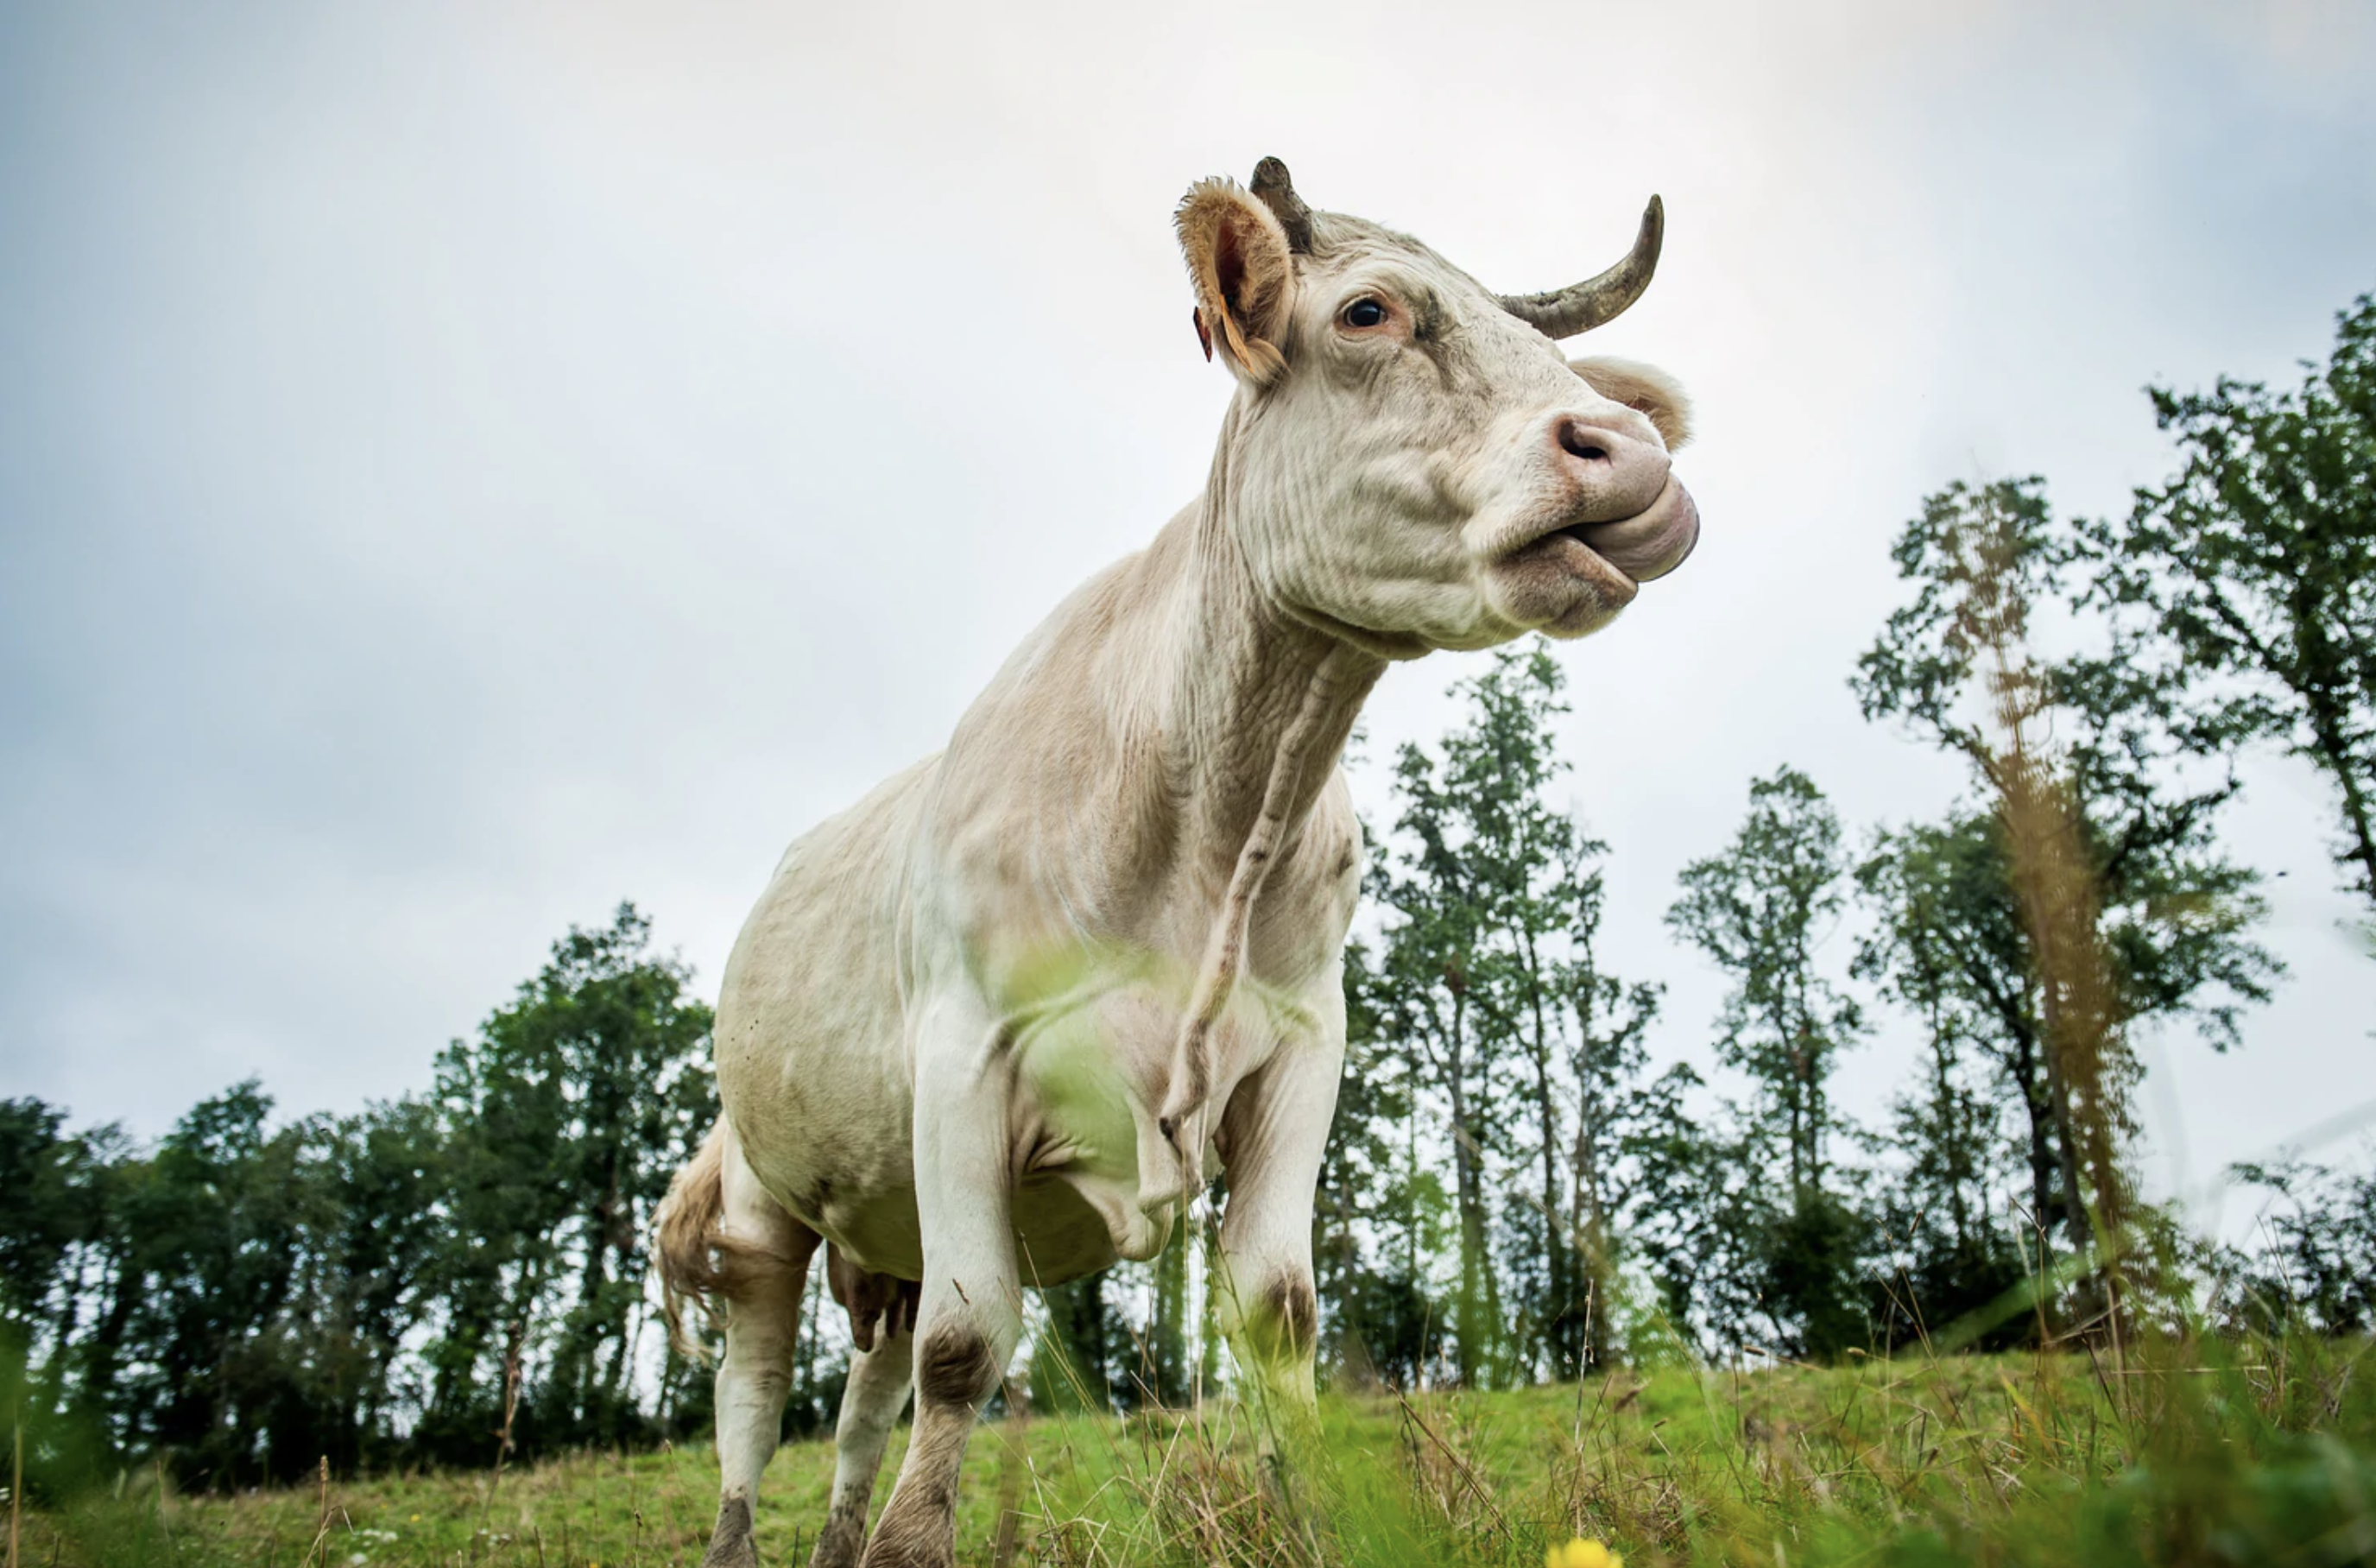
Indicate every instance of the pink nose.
{"type": "Point", "coordinates": [1613, 475]}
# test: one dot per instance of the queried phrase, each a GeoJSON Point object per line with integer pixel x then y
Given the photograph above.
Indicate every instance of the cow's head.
{"type": "Point", "coordinates": [1411, 463]}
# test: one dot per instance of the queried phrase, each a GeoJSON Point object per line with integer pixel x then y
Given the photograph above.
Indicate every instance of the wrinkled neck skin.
{"type": "Point", "coordinates": [1137, 817]}
{"type": "Point", "coordinates": [1256, 699]}
{"type": "Point", "coordinates": [1104, 788]}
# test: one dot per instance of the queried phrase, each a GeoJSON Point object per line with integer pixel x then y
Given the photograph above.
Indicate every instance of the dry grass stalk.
{"type": "Point", "coordinates": [2088, 1067]}
{"type": "Point", "coordinates": [511, 1411]}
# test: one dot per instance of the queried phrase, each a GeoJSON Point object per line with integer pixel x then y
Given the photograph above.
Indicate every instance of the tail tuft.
{"type": "Point", "coordinates": [698, 1263]}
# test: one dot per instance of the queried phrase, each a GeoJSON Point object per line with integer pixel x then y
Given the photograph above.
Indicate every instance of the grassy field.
{"type": "Point", "coordinates": [2262, 1453]}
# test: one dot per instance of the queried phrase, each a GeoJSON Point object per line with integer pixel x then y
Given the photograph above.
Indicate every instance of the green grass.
{"type": "Point", "coordinates": [2201, 1452]}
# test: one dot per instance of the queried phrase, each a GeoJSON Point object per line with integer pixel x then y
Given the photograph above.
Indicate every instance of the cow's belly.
{"type": "Point", "coordinates": [827, 1133]}
{"type": "Point", "coordinates": [812, 1055]}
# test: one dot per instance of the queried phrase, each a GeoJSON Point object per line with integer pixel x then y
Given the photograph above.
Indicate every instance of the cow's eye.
{"type": "Point", "coordinates": [1365, 312]}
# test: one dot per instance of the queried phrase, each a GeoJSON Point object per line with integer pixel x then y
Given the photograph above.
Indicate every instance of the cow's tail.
{"type": "Point", "coordinates": [699, 1266]}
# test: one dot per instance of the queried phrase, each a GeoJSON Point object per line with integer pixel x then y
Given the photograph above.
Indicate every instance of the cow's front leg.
{"type": "Point", "coordinates": [1276, 1129]}
{"type": "Point", "coordinates": [971, 1313]}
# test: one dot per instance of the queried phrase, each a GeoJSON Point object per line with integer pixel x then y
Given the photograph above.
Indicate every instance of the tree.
{"type": "Point", "coordinates": [1605, 1063]}
{"type": "Point", "coordinates": [2253, 569]}
{"type": "Point", "coordinates": [1373, 1193]}
{"type": "Point", "coordinates": [1698, 1214]}
{"type": "Point", "coordinates": [1428, 967]}
{"type": "Point", "coordinates": [1483, 995]}
{"type": "Point", "coordinates": [1759, 910]}
{"type": "Point", "coordinates": [1164, 1374]}
{"type": "Point", "coordinates": [2316, 1264]}
{"type": "Point", "coordinates": [201, 1352]}
{"type": "Point", "coordinates": [53, 1191]}
{"type": "Point", "coordinates": [49, 1206]}
{"type": "Point", "coordinates": [1947, 946]}
{"type": "Point", "coordinates": [2086, 891]}
{"type": "Point", "coordinates": [570, 1111]}
{"type": "Point", "coordinates": [388, 1219]}
{"type": "Point", "coordinates": [1071, 1358]}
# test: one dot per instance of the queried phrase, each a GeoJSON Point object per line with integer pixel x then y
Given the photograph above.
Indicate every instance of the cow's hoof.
{"type": "Point", "coordinates": [731, 1545]}
{"type": "Point", "coordinates": [843, 1542]}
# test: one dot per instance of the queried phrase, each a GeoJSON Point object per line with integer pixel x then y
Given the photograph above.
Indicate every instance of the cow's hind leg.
{"type": "Point", "coordinates": [726, 1242]}
{"type": "Point", "coordinates": [882, 1320]}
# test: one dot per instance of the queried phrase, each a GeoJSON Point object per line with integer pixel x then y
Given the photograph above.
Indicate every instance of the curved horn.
{"type": "Point", "coordinates": [1580, 307]}
{"type": "Point", "coordinates": [1278, 193]}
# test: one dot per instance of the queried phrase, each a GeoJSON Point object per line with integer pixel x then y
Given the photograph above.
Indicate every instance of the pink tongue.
{"type": "Point", "coordinates": [1652, 542]}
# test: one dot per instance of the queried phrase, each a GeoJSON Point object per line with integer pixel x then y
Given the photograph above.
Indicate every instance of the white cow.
{"type": "Point", "coordinates": [997, 1024]}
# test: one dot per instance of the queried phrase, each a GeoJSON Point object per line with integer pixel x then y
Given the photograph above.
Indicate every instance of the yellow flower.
{"type": "Point", "coordinates": [1582, 1553]}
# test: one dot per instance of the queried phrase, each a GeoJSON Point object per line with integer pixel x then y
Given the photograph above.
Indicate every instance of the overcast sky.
{"type": "Point", "coordinates": [461, 467]}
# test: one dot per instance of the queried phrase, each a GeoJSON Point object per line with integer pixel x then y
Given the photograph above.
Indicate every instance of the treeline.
{"type": "Point", "coordinates": [1511, 1191]}
{"type": "Point", "coordinates": [428, 1281]}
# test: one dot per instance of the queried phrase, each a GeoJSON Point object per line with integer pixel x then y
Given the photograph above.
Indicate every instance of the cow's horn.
{"type": "Point", "coordinates": [1278, 193]}
{"type": "Point", "coordinates": [1580, 307]}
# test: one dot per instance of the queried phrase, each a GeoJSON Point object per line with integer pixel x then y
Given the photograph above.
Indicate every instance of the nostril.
{"type": "Point", "coordinates": [1581, 442]}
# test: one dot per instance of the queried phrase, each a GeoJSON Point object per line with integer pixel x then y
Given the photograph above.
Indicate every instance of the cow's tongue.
{"type": "Point", "coordinates": [1652, 543]}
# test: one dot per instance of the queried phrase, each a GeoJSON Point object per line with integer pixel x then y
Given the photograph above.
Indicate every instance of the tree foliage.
{"type": "Point", "coordinates": [1759, 910]}
{"type": "Point", "coordinates": [1484, 999]}
{"type": "Point", "coordinates": [2085, 889]}
{"type": "Point", "coordinates": [251, 1296]}
{"type": "Point", "coordinates": [2254, 570]}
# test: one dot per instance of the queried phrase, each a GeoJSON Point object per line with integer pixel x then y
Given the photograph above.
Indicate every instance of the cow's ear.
{"type": "Point", "coordinates": [1645, 388]}
{"type": "Point", "coordinates": [1244, 277]}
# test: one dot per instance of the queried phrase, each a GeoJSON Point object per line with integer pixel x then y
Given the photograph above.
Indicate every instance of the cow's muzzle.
{"type": "Point", "coordinates": [1622, 501]}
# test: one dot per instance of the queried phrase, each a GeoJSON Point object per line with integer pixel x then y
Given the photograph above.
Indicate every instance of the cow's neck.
{"type": "Point", "coordinates": [1252, 706]}
{"type": "Point", "coordinates": [1247, 710]}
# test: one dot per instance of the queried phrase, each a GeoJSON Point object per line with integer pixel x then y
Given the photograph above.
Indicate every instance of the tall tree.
{"type": "Point", "coordinates": [1371, 1209]}
{"type": "Point", "coordinates": [1164, 1374]}
{"type": "Point", "coordinates": [2254, 569]}
{"type": "Point", "coordinates": [1759, 910]}
{"type": "Point", "coordinates": [1071, 1357]}
{"type": "Point", "coordinates": [1699, 1214]}
{"type": "Point", "coordinates": [212, 1234]}
{"type": "Point", "coordinates": [2315, 1266]}
{"type": "Point", "coordinates": [571, 1110]}
{"type": "Point", "coordinates": [386, 1221]}
{"type": "Point", "coordinates": [49, 1201]}
{"type": "Point", "coordinates": [1486, 981]}
{"type": "Point", "coordinates": [1533, 870]}
{"type": "Point", "coordinates": [2087, 889]}
{"type": "Point", "coordinates": [1385, 1214]}
{"type": "Point", "coordinates": [1605, 1063]}
{"type": "Point", "coordinates": [1427, 964]}
{"type": "Point", "coordinates": [1947, 946]}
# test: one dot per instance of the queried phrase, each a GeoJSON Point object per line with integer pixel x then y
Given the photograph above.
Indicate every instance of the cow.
{"type": "Point", "coordinates": [1002, 1021]}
